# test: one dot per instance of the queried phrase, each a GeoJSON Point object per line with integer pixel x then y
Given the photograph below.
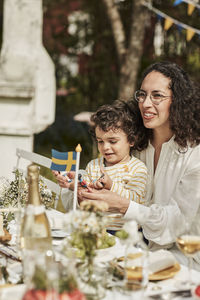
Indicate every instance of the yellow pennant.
{"type": "Point", "coordinates": [189, 34]}
{"type": "Point", "coordinates": [190, 9]}
{"type": "Point", "coordinates": [168, 23]}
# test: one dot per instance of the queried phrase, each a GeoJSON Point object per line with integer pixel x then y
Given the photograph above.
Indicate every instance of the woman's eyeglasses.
{"type": "Point", "coordinates": [156, 98]}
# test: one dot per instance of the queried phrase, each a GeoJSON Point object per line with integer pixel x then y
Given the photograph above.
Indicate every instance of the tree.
{"type": "Point", "coordinates": [129, 49]}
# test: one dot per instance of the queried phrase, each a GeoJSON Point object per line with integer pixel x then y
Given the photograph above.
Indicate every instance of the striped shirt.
{"type": "Point", "coordinates": [129, 178]}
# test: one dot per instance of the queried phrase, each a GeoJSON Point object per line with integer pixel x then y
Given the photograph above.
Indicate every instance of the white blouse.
{"type": "Point", "coordinates": [173, 193]}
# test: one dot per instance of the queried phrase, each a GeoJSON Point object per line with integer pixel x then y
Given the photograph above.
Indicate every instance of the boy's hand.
{"type": "Point", "coordinates": [65, 181]}
{"type": "Point", "coordinates": [103, 182]}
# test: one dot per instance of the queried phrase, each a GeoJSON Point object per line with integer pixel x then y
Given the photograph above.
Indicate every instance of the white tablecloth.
{"type": "Point", "coordinates": [16, 292]}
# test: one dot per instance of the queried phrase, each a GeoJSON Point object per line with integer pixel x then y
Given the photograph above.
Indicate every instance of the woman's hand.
{"type": "Point", "coordinates": [115, 202]}
{"type": "Point", "coordinates": [65, 181]}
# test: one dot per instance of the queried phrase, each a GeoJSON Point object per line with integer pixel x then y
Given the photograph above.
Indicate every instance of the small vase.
{"type": "Point", "coordinates": [91, 279]}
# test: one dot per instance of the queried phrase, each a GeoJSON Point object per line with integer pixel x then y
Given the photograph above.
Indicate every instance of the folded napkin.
{"type": "Point", "coordinates": [157, 261]}
{"type": "Point", "coordinates": [160, 260]}
{"type": "Point", "coordinates": [56, 218]}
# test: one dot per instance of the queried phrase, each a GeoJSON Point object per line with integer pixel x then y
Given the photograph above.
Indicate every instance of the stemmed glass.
{"type": "Point", "coordinates": [134, 261]}
{"type": "Point", "coordinates": [188, 242]}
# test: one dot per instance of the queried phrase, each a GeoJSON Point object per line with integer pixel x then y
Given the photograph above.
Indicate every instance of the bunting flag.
{"type": "Point", "coordinates": [190, 9]}
{"type": "Point", "coordinates": [177, 2]}
{"type": "Point", "coordinates": [190, 2]}
{"type": "Point", "coordinates": [63, 161]}
{"type": "Point", "coordinates": [168, 23]}
{"type": "Point", "coordinates": [189, 34]}
{"type": "Point", "coordinates": [190, 31]}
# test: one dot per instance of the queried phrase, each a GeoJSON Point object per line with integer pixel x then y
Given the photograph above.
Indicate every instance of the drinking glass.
{"type": "Point", "coordinates": [188, 242]}
{"type": "Point", "coordinates": [133, 265]}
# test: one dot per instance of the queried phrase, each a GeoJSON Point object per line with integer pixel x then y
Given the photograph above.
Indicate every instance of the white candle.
{"type": "Point", "coordinates": [78, 151]}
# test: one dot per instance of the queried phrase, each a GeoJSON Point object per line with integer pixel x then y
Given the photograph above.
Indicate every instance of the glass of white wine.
{"type": "Point", "coordinates": [188, 243]}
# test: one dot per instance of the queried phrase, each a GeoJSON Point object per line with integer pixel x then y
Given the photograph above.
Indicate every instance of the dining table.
{"type": "Point", "coordinates": [165, 289]}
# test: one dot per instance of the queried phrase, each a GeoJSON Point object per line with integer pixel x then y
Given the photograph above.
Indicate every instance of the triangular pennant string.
{"type": "Point", "coordinates": [159, 17]}
{"type": "Point", "coordinates": [189, 29]}
{"type": "Point", "coordinates": [168, 23]}
{"type": "Point", "coordinates": [192, 2]}
{"type": "Point", "coordinates": [179, 28]}
{"type": "Point", "coordinates": [177, 2]}
{"type": "Point", "coordinates": [189, 34]}
{"type": "Point", "coordinates": [190, 9]}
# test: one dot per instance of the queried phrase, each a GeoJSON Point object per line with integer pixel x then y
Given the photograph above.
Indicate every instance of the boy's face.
{"type": "Point", "coordinates": [113, 146]}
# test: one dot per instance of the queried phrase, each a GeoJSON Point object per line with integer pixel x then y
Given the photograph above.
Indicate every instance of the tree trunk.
{"type": "Point", "coordinates": [117, 27]}
{"type": "Point", "coordinates": [129, 58]}
{"type": "Point", "coordinates": [130, 66]}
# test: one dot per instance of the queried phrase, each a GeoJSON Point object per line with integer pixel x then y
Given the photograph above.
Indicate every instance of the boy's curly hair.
{"type": "Point", "coordinates": [114, 117]}
{"type": "Point", "coordinates": [184, 110]}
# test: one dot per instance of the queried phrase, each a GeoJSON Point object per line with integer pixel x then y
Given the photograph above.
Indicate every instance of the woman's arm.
{"type": "Point", "coordinates": [115, 202]}
{"type": "Point", "coordinates": [159, 220]}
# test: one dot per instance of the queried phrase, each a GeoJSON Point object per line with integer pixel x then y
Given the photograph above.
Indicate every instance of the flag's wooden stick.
{"type": "Point", "coordinates": [78, 151]}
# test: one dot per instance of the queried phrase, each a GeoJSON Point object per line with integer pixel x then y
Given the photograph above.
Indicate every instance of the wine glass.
{"type": "Point", "coordinates": [188, 242]}
{"type": "Point", "coordinates": [134, 261]}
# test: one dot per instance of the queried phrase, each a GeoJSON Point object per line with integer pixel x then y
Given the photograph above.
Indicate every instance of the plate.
{"type": "Point", "coordinates": [136, 272]}
{"type": "Point", "coordinates": [160, 275]}
{"type": "Point", "coordinates": [166, 273]}
{"type": "Point", "coordinates": [59, 234]}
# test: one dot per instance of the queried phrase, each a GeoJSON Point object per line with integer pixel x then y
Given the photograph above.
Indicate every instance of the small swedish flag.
{"type": "Point", "coordinates": [63, 161]}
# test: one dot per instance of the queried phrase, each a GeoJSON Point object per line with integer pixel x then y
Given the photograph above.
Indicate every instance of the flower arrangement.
{"type": "Point", "coordinates": [42, 289]}
{"type": "Point", "coordinates": [88, 234]}
{"type": "Point", "coordinates": [14, 194]}
{"type": "Point", "coordinates": [88, 229]}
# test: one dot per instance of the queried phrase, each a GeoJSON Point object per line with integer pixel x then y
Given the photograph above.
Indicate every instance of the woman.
{"type": "Point", "coordinates": [167, 108]}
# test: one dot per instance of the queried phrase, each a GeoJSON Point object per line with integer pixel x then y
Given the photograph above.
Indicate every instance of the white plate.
{"type": "Point", "coordinates": [57, 233]}
{"type": "Point", "coordinates": [107, 254]}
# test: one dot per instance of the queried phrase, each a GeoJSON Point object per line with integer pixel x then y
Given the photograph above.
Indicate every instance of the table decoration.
{"type": "Point", "coordinates": [78, 152]}
{"type": "Point", "coordinates": [53, 282]}
{"type": "Point", "coordinates": [13, 194]}
{"type": "Point", "coordinates": [88, 234]}
{"type": "Point", "coordinates": [65, 162]}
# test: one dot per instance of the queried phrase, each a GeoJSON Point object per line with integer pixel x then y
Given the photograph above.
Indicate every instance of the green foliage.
{"type": "Point", "coordinates": [40, 278]}
{"type": "Point", "coordinates": [15, 192]}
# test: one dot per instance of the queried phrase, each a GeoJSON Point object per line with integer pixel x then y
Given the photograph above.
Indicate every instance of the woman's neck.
{"type": "Point", "coordinates": [160, 137]}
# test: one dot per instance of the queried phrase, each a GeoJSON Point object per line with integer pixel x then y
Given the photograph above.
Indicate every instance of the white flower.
{"type": "Point", "coordinates": [91, 224]}
{"type": "Point", "coordinates": [4, 185]}
{"type": "Point", "coordinates": [131, 227]}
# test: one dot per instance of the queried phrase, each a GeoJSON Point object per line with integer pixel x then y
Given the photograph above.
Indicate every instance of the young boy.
{"type": "Point", "coordinates": [116, 169]}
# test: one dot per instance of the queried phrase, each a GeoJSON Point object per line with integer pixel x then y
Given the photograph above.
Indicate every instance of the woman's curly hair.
{"type": "Point", "coordinates": [116, 116]}
{"type": "Point", "coordinates": [184, 114]}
